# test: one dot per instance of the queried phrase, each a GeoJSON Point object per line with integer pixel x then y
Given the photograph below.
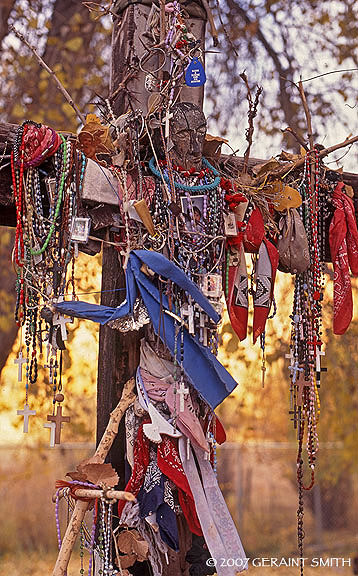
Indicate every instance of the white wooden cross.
{"type": "Point", "coordinates": [26, 413]}
{"type": "Point", "coordinates": [188, 313]}
{"type": "Point", "coordinates": [319, 353]}
{"type": "Point", "coordinates": [52, 426]}
{"type": "Point", "coordinates": [20, 360]}
{"type": "Point", "coordinates": [59, 320]}
{"type": "Point", "coordinates": [167, 118]}
{"type": "Point", "coordinates": [183, 392]}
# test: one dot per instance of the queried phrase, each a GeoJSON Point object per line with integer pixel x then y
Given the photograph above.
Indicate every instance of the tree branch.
{"type": "Point", "coordinates": [51, 72]}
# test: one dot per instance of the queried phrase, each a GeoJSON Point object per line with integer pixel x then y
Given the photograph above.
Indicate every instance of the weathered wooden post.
{"type": "Point", "coordinates": [118, 353]}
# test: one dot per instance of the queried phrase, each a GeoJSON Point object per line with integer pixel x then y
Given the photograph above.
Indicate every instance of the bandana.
{"type": "Point", "coordinates": [39, 142]}
{"type": "Point", "coordinates": [170, 464]}
{"type": "Point", "coordinates": [343, 241]}
{"type": "Point", "coordinates": [265, 279]}
{"type": "Point", "coordinates": [237, 299]}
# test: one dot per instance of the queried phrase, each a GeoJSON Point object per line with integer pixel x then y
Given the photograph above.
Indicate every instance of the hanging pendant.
{"type": "Point", "coordinates": [195, 74]}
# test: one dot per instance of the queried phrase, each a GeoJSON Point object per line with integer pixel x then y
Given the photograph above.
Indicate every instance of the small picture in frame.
{"type": "Point", "coordinates": [212, 286]}
{"type": "Point", "coordinates": [80, 229]}
{"type": "Point", "coordinates": [230, 226]}
{"type": "Point", "coordinates": [193, 210]}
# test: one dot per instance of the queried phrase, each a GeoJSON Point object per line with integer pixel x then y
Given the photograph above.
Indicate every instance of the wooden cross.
{"type": "Point", "coordinates": [20, 360]}
{"type": "Point", "coordinates": [188, 313]}
{"type": "Point", "coordinates": [183, 392]}
{"type": "Point", "coordinates": [291, 357]}
{"type": "Point", "coordinates": [26, 413]}
{"type": "Point", "coordinates": [52, 426]}
{"type": "Point", "coordinates": [58, 419]}
{"type": "Point", "coordinates": [167, 118]}
{"type": "Point", "coordinates": [301, 385]}
{"type": "Point", "coordinates": [319, 353]}
{"type": "Point", "coordinates": [59, 320]}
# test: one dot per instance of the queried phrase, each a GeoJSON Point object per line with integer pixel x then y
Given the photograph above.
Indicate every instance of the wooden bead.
{"type": "Point", "coordinates": [59, 397]}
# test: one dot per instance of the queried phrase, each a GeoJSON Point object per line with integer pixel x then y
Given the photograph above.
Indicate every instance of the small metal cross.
{"type": "Point", "coordinates": [26, 413]}
{"type": "Point", "coordinates": [20, 360]}
{"type": "Point", "coordinates": [58, 419]}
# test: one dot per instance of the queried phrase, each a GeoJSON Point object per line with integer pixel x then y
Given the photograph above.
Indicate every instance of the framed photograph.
{"type": "Point", "coordinates": [80, 229]}
{"type": "Point", "coordinates": [230, 226]}
{"type": "Point", "coordinates": [212, 286]}
{"type": "Point", "coordinates": [193, 211]}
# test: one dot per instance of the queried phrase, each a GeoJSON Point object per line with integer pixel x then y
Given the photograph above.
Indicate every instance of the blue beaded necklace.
{"type": "Point", "coordinates": [186, 187]}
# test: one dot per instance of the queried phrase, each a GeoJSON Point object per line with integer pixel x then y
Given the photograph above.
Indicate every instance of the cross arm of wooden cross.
{"type": "Point", "coordinates": [99, 456]}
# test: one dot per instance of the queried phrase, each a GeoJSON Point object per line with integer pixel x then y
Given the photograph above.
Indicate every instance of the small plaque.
{"type": "Point", "coordinates": [195, 74]}
{"type": "Point", "coordinates": [80, 229]}
{"type": "Point", "coordinates": [230, 226]}
{"type": "Point", "coordinates": [212, 286]}
{"type": "Point", "coordinates": [50, 184]}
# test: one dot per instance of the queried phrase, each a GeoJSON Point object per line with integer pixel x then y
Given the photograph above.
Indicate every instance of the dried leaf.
{"type": "Point", "coordinates": [94, 138]}
{"type": "Point", "coordinates": [349, 191]}
{"type": "Point", "coordinates": [128, 560]}
{"type": "Point", "coordinates": [212, 145]}
{"type": "Point", "coordinates": [100, 474]}
{"type": "Point", "coordinates": [285, 196]}
{"type": "Point", "coordinates": [266, 167]}
{"type": "Point", "coordinates": [132, 544]}
{"type": "Point", "coordinates": [153, 102]}
{"type": "Point", "coordinates": [75, 475]}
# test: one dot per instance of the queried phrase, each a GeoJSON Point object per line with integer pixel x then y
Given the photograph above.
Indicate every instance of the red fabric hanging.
{"type": "Point", "coordinates": [343, 241]}
{"type": "Point", "coordinates": [170, 464]}
{"type": "Point", "coordinates": [265, 283]}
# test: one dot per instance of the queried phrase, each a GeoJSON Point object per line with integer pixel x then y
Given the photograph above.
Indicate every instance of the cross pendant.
{"type": "Point", "coordinates": [20, 360]}
{"type": "Point", "coordinates": [58, 419]}
{"type": "Point", "coordinates": [188, 313]}
{"type": "Point", "coordinates": [319, 353]}
{"type": "Point", "coordinates": [61, 321]}
{"type": "Point", "coordinates": [26, 413]}
{"type": "Point", "coordinates": [167, 118]}
{"type": "Point", "coordinates": [183, 392]}
{"type": "Point", "coordinates": [52, 427]}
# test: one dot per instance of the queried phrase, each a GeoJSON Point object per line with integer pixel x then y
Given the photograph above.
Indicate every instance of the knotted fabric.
{"type": "Point", "coordinates": [343, 241]}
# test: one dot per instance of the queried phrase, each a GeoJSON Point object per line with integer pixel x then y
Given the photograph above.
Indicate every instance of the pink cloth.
{"type": "Point", "coordinates": [187, 422]}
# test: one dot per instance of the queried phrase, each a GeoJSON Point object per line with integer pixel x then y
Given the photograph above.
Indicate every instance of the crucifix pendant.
{"type": "Point", "coordinates": [61, 321]}
{"type": "Point", "coordinates": [20, 360]}
{"type": "Point", "coordinates": [167, 118]}
{"type": "Point", "coordinates": [26, 413]}
{"type": "Point", "coordinates": [183, 392]}
{"type": "Point", "coordinates": [52, 427]}
{"type": "Point", "coordinates": [58, 419]}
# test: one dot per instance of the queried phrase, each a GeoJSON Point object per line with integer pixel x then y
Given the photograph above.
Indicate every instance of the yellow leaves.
{"type": "Point", "coordinates": [17, 110]}
{"type": "Point", "coordinates": [285, 196]}
{"type": "Point", "coordinates": [74, 44]}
